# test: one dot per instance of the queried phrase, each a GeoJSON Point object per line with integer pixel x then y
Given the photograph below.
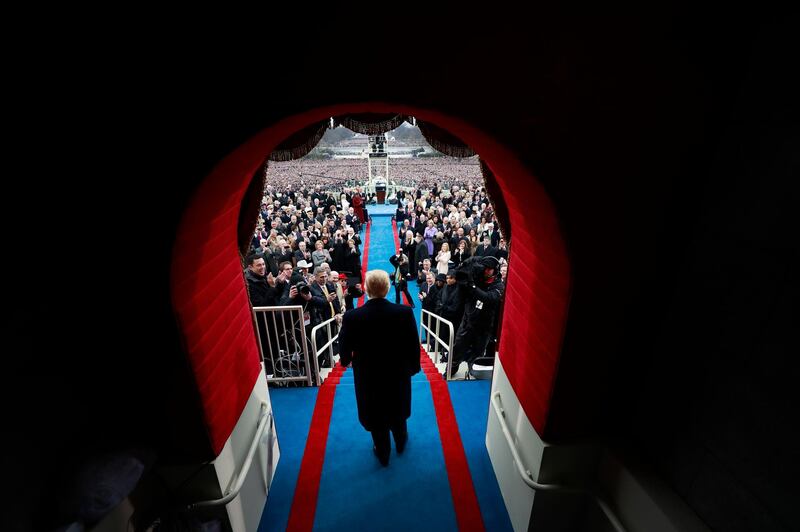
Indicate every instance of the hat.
{"type": "Point", "coordinates": [441, 277]}
{"type": "Point", "coordinates": [303, 264]}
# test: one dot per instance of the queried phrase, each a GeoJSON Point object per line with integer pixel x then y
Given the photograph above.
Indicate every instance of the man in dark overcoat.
{"type": "Point", "coordinates": [382, 368]}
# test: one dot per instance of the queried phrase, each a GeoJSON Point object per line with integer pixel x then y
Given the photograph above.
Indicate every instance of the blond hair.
{"type": "Point", "coordinates": [376, 283]}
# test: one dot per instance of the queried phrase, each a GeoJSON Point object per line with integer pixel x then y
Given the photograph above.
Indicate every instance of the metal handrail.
{"type": "Point", "coordinates": [527, 476]}
{"type": "Point", "coordinates": [296, 322]}
{"type": "Point", "coordinates": [238, 479]}
{"type": "Point", "coordinates": [328, 345]}
{"type": "Point", "coordinates": [423, 324]}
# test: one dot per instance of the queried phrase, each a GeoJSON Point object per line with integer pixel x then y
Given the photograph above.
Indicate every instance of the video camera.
{"type": "Point", "coordinates": [471, 270]}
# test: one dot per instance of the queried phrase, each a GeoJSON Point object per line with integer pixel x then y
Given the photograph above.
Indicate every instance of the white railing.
{"type": "Point", "coordinates": [283, 344]}
{"type": "Point", "coordinates": [433, 331]}
{"type": "Point", "coordinates": [317, 351]}
{"type": "Point", "coordinates": [527, 476]}
{"type": "Point", "coordinates": [237, 480]}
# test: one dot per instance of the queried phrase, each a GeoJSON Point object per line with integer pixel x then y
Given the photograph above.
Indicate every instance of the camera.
{"type": "Point", "coordinates": [469, 270]}
{"type": "Point", "coordinates": [302, 288]}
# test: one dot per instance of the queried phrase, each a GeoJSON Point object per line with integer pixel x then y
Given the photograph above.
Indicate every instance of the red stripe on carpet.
{"type": "Point", "coordinates": [304, 503]}
{"type": "Point", "coordinates": [465, 501]}
{"type": "Point", "coordinates": [364, 261]}
{"type": "Point", "coordinates": [397, 245]}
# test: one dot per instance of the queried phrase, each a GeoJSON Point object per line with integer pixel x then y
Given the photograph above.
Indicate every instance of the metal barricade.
{"type": "Point", "coordinates": [327, 346]}
{"type": "Point", "coordinates": [283, 344]}
{"type": "Point", "coordinates": [433, 331]}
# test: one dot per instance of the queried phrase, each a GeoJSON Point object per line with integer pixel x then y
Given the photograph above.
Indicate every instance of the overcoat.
{"type": "Point", "coordinates": [380, 339]}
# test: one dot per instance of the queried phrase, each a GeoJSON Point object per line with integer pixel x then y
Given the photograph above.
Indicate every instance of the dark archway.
{"type": "Point", "coordinates": [212, 306]}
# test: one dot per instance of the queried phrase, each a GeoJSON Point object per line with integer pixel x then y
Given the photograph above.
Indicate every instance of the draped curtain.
{"type": "Point", "coordinates": [443, 141]}
{"type": "Point", "coordinates": [248, 213]}
{"type": "Point", "coordinates": [299, 144]}
{"type": "Point", "coordinates": [500, 208]}
{"type": "Point", "coordinates": [370, 123]}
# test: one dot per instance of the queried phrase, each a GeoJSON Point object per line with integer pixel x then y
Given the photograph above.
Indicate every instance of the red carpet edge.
{"type": "Point", "coordinates": [465, 501]}
{"type": "Point", "coordinates": [304, 503]}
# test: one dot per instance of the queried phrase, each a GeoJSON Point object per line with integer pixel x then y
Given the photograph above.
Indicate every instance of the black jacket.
{"type": "Point", "coordinates": [350, 295]}
{"type": "Point", "coordinates": [352, 262]}
{"type": "Point", "coordinates": [381, 370]}
{"type": "Point", "coordinates": [450, 304]}
{"type": "Point", "coordinates": [404, 269]}
{"type": "Point", "coordinates": [481, 316]}
{"type": "Point", "coordinates": [421, 253]}
{"type": "Point", "coordinates": [431, 298]}
{"type": "Point", "coordinates": [261, 293]}
{"type": "Point", "coordinates": [483, 251]}
{"type": "Point", "coordinates": [321, 310]}
{"type": "Point", "coordinates": [458, 258]}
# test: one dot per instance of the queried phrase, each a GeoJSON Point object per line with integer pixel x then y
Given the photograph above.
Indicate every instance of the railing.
{"type": "Point", "coordinates": [434, 332]}
{"type": "Point", "coordinates": [327, 346]}
{"type": "Point", "coordinates": [283, 344]}
{"type": "Point", "coordinates": [237, 480]}
{"type": "Point", "coordinates": [527, 476]}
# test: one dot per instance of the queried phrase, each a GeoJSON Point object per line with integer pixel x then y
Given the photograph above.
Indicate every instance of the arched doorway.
{"type": "Point", "coordinates": [211, 302]}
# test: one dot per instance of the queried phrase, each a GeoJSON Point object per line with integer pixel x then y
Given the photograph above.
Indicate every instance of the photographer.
{"type": "Point", "coordinates": [296, 292]}
{"type": "Point", "coordinates": [401, 276]}
{"type": "Point", "coordinates": [479, 278]}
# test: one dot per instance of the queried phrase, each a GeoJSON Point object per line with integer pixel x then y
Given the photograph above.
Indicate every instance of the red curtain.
{"type": "Point", "coordinates": [300, 143]}
{"type": "Point", "coordinates": [370, 123]}
{"type": "Point", "coordinates": [500, 207]}
{"type": "Point", "coordinates": [444, 141]}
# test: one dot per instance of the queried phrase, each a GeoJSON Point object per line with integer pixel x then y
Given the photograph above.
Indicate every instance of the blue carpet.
{"type": "Point", "coordinates": [413, 493]}
{"type": "Point", "coordinates": [357, 493]}
{"type": "Point", "coordinates": [381, 248]}
{"type": "Point", "coordinates": [292, 408]}
{"type": "Point", "coordinates": [471, 403]}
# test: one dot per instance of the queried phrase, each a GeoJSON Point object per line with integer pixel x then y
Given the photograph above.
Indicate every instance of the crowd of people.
{"type": "Point", "coordinates": [335, 175]}
{"type": "Point", "coordinates": [451, 246]}
{"type": "Point", "coordinates": [306, 251]}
